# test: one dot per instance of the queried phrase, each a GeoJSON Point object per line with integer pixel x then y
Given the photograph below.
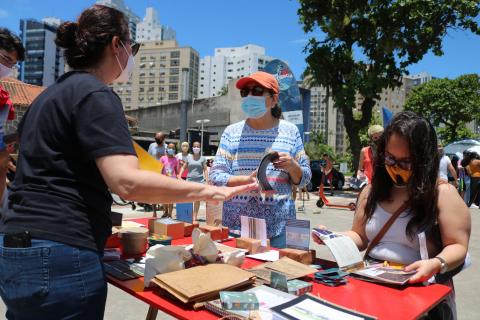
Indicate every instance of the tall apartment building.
{"type": "Point", "coordinates": [326, 119]}
{"type": "Point", "coordinates": [227, 64]}
{"type": "Point", "coordinates": [44, 61]}
{"type": "Point", "coordinates": [133, 19]}
{"type": "Point", "coordinates": [150, 28]}
{"type": "Point", "coordinates": [157, 77]}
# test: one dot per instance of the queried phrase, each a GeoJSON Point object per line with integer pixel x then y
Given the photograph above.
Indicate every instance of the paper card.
{"type": "Point", "coordinates": [185, 212]}
{"type": "Point", "coordinates": [279, 281]}
{"type": "Point", "coordinates": [214, 214]}
{"type": "Point", "coordinates": [254, 228]}
{"type": "Point", "coordinates": [298, 234]}
{"type": "Point", "coordinates": [272, 255]}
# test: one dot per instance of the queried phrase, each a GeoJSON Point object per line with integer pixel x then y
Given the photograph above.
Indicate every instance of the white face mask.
{"type": "Point", "coordinates": [4, 71]}
{"type": "Point", "coordinates": [126, 73]}
{"type": "Point", "coordinates": [196, 150]}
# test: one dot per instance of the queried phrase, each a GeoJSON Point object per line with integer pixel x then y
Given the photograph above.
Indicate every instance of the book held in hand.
{"type": "Point", "coordinates": [349, 259]}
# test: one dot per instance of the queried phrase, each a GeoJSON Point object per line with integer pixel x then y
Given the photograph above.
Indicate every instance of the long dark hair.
{"type": "Point", "coordinates": [422, 186]}
{"type": "Point", "coordinates": [84, 41]}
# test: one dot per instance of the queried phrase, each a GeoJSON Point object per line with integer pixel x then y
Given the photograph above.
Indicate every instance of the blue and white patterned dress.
{"type": "Point", "coordinates": [240, 152]}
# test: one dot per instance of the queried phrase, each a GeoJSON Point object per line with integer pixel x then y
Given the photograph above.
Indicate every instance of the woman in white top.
{"type": "Point", "coordinates": [406, 171]}
{"type": "Point", "coordinates": [445, 167]}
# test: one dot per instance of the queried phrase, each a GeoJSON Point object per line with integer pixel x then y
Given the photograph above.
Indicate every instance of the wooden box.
{"type": "Point", "coordinates": [302, 256]}
{"type": "Point", "coordinates": [169, 227]}
{"type": "Point", "coordinates": [252, 245]}
{"type": "Point", "coordinates": [215, 232]}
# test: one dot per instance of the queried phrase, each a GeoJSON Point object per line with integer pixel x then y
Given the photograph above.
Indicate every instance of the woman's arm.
{"type": "Point", "coordinates": [455, 226]}
{"type": "Point", "coordinates": [184, 166]}
{"type": "Point", "coordinates": [205, 171]}
{"type": "Point", "coordinates": [122, 176]}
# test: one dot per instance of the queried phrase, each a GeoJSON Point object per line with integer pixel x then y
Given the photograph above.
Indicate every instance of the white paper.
{"type": "Point", "coordinates": [344, 250]}
{"type": "Point", "coordinates": [254, 228]}
{"type": "Point", "coordinates": [272, 255]}
{"type": "Point", "coordinates": [311, 310]}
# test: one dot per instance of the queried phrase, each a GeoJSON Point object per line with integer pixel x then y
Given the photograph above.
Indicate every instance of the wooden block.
{"type": "Point", "coordinates": [252, 245]}
{"type": "Point", "coordinates": [113, 241]}
{"type": "Point", "coordinates": [302, 256]}
{"type": "Point", "coordinates": [188, 229]}
{"type": "Point", "coordinates": [196, 224]}
{"type": "Point", "coordinates": [215, 232]}
{"type": "Point", "coordinates": [225, 231]}
{"type": "Point", "coordinates": [169, 227]}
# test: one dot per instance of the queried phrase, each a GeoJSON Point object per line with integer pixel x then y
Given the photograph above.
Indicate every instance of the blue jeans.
{"type": "Point", "coordinates": [51, 280]}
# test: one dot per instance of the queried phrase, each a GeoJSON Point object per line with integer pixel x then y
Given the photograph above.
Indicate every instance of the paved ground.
{"type": "Point", "coordinates": [122, 306]}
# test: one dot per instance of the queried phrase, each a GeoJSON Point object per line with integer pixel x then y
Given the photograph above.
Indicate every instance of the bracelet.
{"type": "Point", "coordinates": [443, 264]}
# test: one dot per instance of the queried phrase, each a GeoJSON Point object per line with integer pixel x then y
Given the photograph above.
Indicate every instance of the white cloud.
{"type": "Point", "coordinates": [3, 13]}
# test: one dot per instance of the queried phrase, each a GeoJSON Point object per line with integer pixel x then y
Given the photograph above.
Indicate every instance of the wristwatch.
{"type": "Point", "coordinates": [443, 265]}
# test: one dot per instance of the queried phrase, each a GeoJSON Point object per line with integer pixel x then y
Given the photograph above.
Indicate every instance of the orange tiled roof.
{"type": "Point", "coordinates": [21, 94]}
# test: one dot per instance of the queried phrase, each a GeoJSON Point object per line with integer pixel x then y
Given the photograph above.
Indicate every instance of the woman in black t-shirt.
{"type": "Point", "coordinates": [74, 147]}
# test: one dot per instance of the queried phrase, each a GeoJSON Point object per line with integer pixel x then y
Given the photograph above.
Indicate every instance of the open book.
{"type": "Point", "coordinates": [350, 260]}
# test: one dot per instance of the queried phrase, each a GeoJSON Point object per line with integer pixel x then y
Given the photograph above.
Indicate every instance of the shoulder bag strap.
{"type": "Point", "coordinates": [384, 229]}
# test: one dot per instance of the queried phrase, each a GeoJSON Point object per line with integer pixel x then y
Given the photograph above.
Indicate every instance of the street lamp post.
{"type": "Point", "coordinates": [202, 121]}
{"type": "Point", "coordinates": [306, 134]}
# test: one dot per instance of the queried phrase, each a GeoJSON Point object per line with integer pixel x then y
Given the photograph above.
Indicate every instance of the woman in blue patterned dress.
{"type": "Point", "coordinates": [241, 149]}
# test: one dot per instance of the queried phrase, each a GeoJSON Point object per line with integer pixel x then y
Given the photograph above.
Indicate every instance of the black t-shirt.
{"type": "Point", "coordinates": [58, 193]}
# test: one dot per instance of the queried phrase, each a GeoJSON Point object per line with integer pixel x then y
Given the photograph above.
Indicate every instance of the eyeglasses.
{"type": "Point", "coordinates": [135, 46]}
{"type": "Point", "coordinates": [403, 164]}
{"type": "Point", "coordinates": [255, 91]}
{"type": "Point", "coordinates": [7, 61]}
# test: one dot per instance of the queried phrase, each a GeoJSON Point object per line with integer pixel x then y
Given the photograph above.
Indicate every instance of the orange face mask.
{"type": "Point", "coordinates": [399, 176]}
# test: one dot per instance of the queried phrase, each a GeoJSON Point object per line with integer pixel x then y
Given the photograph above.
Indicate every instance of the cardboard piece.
{"type": "Point", "coordinates": [169, 227]}
{"type": "Point", "coordinates": [252, 245]}
{"type": "Point", "coordinates": [203, 283]}
{"type": "Point", "coordinates": [291, 267]}
{"type": "Point", "coordinates": [216, 233]}
{"type": "Point", "coordinates": [184, 212]}
{"type": "Point", "coordinates": [302, 256]}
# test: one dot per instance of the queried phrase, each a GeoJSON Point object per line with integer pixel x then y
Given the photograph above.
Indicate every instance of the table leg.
{"type": "Point", "coordinates": [152, 313]}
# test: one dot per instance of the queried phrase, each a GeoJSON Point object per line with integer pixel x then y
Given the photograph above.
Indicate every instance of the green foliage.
{"type": "Point", "coordinates": [449, 104]}
{"type": "Point", "coordinates": [316, 147]}
{"type": "Point", "coordinates": [388, 35]}
{"type": "Point", "coordinates": [223, 91]}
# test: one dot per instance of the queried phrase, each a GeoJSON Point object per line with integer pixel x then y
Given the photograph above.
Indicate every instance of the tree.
{"type": "Point", "coordinates": [316, 147]}
{"type": "Point", "coordinates": [387, 37]}
{"type": "Point", "coordinates": [223, 91]}
{"type": "Point", "coordinates": [449, 104]}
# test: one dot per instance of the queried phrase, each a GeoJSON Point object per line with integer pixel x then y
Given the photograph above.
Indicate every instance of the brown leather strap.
{"type": "Point", "coordinates": [384, 229]}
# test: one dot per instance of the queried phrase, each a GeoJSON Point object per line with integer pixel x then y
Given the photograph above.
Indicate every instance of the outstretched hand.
{"type": "Point", "coordinates": [226, 193]}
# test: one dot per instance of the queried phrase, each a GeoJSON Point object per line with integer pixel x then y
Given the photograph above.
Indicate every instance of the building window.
{"type": "Point", "coordinates": [151, 89]}
{"type": "Point", "coordinates": [174, 71]}
{"type": "Point", "coordinates": [173, 79]}
{"type": "Point", "coordinates": [174, 63]}
{"type": "Point", "coordinates": [173, 87]}
{"type": "Point", "coordinates": [175, 54]}
{"type": "Point", "coordinates": [172, 96]}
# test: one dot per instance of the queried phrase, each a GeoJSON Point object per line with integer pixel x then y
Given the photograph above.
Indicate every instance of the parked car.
{"type": "Point", "coordinates": [338, 177]}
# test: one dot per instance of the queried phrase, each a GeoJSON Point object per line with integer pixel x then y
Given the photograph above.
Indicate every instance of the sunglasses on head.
{"type": "Point", "coordinates": [403, 164]}
{"type": "Point", "coordinates": [255, 91]}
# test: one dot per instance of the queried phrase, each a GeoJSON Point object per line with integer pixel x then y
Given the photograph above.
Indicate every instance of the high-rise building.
{"type": "Point", "coordinates": [227, 64]}
{"type": "Point", "coordinates": [150, 28]}
{"type": "Point", "coordinates": [157, 77]}
{"type": "Point", "coordinates": [44, 61]}
{"type": "Point", "coordinates": [133, 19]}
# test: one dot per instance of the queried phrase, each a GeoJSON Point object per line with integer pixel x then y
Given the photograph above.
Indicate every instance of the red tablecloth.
{"type": "Point", "coordinates": [384, 302]}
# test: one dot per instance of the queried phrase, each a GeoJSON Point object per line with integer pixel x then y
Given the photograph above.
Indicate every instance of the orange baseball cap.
{"type": "Point", "coordinates": [264, 79]}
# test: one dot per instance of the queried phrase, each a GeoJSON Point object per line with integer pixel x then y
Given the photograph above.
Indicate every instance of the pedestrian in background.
{"type": "Point", "coordinates": [182, 157]}
{"type": "Point", "coordinates": [171, 169]}
{"type": "Point", "coordinates": [196, 165]}
{"type": "Point", "coordinates": [158, 148]}
{"type": "Point", "coordinates": [368, 154]}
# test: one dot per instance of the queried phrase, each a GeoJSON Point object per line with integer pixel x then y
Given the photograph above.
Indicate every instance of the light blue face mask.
{"type": "Point", "coordinates": [254, 107]}
{"type": "Point", "coordinates": [171, 151]}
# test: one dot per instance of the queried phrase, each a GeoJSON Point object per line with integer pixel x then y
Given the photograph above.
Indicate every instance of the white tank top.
{"type": "Point", "coordinates": [395, 245]}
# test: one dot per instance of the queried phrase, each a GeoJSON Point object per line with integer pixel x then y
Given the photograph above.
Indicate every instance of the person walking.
{"type": "Point", "coordinates": [197, 168]}
{"type": "Point", "coordinates": [75, 147]}
{"type": "Point", "coordinates": [243, 145]}
{"type": "Point", "coordinates": [158, 148]}
{"type": "Point", "coordinates": [171, 168]}
{"type": "Point", "coordinates": [471, 162]}
{"type": "Point", "coordinates": [182, 157]}
{"type": "Point", "coordinates": [368, 154]}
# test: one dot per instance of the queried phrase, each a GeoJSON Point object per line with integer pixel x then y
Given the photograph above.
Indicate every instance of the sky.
{"type": "Point", "coordinates": [272, 24]}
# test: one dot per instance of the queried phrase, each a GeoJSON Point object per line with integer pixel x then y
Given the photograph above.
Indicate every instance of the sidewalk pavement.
{"type": "Point", "coordinates": [120, 305]}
